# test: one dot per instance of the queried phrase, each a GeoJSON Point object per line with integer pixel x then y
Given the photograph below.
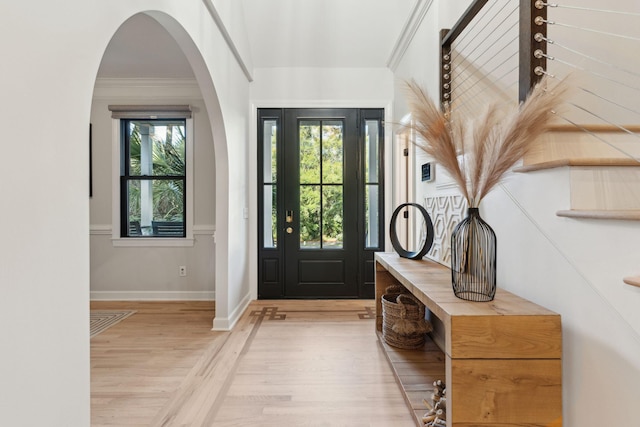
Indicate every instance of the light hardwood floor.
{"type": "Point", "coordinates": [286, 363]}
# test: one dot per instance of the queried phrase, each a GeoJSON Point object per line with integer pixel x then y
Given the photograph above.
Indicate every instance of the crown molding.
{"type": "Point", "coordinates": [228, 39]}
{"type": "Point", "coordinates": [321, 103]}
{"type": "Point", "coordinates": [147, 88]}
{"type": "Point", "coordinates": [408, 32]}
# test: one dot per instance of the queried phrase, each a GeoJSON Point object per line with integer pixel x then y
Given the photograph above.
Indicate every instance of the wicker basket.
{"type": "Point", "coordinates": [406, 309]}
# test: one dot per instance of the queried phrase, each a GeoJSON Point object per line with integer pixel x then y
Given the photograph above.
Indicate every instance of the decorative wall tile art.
{"type": "Point", "coordinates": [446, 212]}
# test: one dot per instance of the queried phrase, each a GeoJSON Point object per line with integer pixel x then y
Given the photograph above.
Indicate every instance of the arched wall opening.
{"type": "Point", "coordinates": [222, 206]}
{"type": "Point", "coordinates": [55, 52]}
{"type": "Point", "coordinates": [152, 273]}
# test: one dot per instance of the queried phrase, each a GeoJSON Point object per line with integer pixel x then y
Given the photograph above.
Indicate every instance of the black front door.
{"type": "Point", "coordinates": [321, 202]}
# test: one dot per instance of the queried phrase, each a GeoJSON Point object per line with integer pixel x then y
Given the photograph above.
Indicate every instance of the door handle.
{"type": "Point", "coordinates": [289, 230]}
{"type": "Point", "coordinates": [289, 217]}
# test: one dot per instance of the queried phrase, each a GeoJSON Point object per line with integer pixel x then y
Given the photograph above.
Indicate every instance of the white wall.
{"type": "Point", "coordinates": [151, 273]}
{"type": "Point", "coordinates": [226, 99]}
{"type": "Point", "coordinates": [574, 267]}
{"type": "Point", "coordinates": [51, 54]}
{"type": "Point", "coordinates": [314, 87]}
{"type": "Point", "coordinates": [231, 13]}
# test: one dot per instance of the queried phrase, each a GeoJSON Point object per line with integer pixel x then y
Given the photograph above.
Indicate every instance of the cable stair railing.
{"type": "Point", "coordinates": [500, 49]}
{"type": "Point", "coordinates": [594, 139]}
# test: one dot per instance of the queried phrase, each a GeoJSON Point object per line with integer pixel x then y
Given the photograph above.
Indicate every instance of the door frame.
{"type": "Point", "coordinates": [250, 214]}
{"type": "Point", "coordinates": [386, 171]}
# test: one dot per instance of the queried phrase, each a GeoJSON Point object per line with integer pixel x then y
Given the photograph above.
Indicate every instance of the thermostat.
{"type": "Point", "coordinates": [428, 172]}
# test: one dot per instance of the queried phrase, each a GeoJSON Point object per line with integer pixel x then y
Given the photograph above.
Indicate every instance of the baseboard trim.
{"type": "Point", "coordinates": [152, 295]}
{"type": "Point", "coordinates": [227, 323]}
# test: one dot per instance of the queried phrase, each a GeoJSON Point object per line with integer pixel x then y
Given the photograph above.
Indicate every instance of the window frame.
{"type": "Point", "coordinates": [120, 114]}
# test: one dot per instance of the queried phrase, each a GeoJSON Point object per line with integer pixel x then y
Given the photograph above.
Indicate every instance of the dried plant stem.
{"type": "Point", "coordinates": [438, 137]}
{"type": "Point", "coordinates": [479, 152]}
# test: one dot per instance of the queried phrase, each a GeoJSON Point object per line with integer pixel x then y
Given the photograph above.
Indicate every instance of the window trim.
{"type": "Point", "coordinates": [116, 150]}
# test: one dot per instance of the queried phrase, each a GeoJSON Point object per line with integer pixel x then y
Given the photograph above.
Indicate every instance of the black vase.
{"type": "Point", "coordinates": [473, 259]}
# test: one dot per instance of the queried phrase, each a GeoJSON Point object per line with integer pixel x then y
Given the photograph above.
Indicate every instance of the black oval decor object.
{"type": "Point", "coordinates": [428, 241]}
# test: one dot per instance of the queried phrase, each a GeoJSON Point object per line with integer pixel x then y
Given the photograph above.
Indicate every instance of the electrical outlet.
{"type": "Point", "coordinates": [183, 270]}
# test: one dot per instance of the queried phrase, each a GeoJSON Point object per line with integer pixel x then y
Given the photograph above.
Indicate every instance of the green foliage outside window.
{"type": "Point", "coordinates": [321, 179]}
{"type": "Point", "coordinates": [167, 160]}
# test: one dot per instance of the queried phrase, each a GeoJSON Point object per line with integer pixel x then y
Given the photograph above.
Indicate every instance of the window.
{"type": "Point", "coordinates": [372, 192]}
{"type": "Point", "coordinates": [152, 181]}
{"type": "Point", "coordinates": [153, 146]}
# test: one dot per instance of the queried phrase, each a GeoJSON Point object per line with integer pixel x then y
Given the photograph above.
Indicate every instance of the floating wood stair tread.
{"type": "Point", "coordinates": [633, 281]}
{"type": "Point", "coordinates": [629, 215]}
{"type": "Point", "coordinates": [578, 162]}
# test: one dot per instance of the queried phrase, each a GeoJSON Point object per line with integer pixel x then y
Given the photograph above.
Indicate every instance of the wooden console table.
{"type": "Point", "coordinates": [501, 360]}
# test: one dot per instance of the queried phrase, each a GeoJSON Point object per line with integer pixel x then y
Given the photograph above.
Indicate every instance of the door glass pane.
{"type": "Point", "coordinates": [269, 215]}
{"type": "Point", "coordinates": [371, 151]}
{"type": "Point", "coordinates": [371, 216]}
{"type": "Point", "coordinates": [310, 217]}
{"type": "Point", "coordinates": [270, 153]}
{"type": "Point", "coordinates": [332, 217]}
{"type": "Point", "coordinates": [309, 132]}
{"type": "Point", "coordinates": [332, 152]}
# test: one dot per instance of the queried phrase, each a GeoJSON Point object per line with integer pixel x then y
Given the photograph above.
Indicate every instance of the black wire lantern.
{"type": "Point", "coordinates": [473, 259]}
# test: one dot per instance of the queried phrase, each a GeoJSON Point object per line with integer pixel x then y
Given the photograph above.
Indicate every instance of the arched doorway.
{"type": "Point", "coordinates": [54, 53]}
{"type": "Point", "coordinates": [151, 60]}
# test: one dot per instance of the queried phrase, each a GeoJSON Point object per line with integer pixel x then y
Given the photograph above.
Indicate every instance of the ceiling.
{"type": "Point", "coordinates": [324, 33]}
{"type": "Point", "coordinates": [281, 33]}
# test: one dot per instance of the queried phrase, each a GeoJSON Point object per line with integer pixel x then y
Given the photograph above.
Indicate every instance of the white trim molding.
{"type": "Point", "coordinates": [204, 230]}
{"type": "Point", "coordinates": [152, 295]}
{"type": "Point", "coordinates": [115, 194]}
{"type": "Point", "coordinates": [320, 103]}
{"type": "Point", "coordinates": [100, 229]}
{"type": "Point", "coordinates": [226, 324]}
{"type": "Point", "coordinates": [227, 38]}
{"type": "Point", "coordinates": [152, 242]}
{"type": "Point", "coordinates": [408, 32]}
{"type": "Point", "coordinates": [147, 88]}
{"type": "Point", "coordinates": [106, 230]}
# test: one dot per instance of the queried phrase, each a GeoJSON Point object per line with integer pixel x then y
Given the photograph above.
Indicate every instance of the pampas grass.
{"type": "Point", "coordinates": [488, 145]}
